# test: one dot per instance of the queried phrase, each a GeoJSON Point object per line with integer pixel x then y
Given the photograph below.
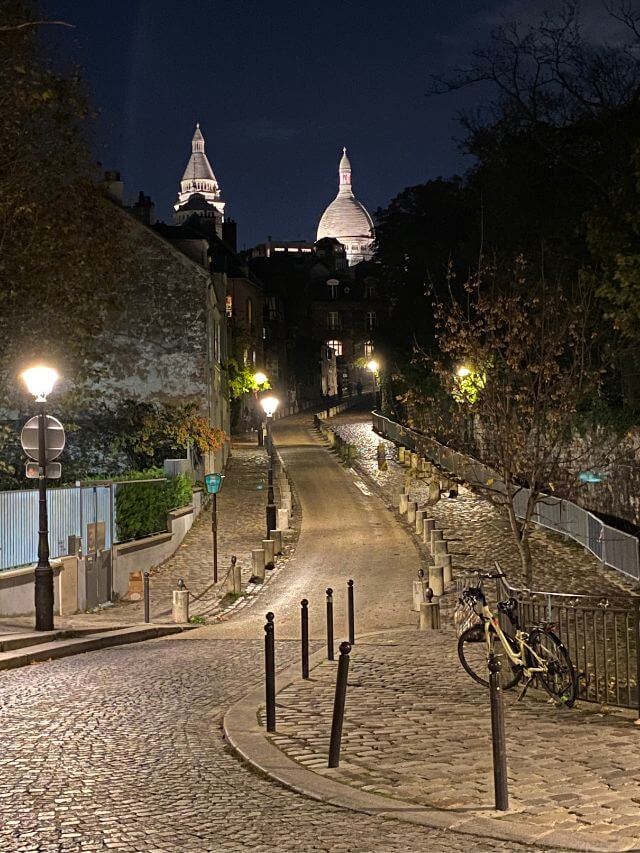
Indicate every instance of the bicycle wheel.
{"type": "Point", "coordinates": [473, 654]}
{"type": "Point", "coordinates": [560, 679]}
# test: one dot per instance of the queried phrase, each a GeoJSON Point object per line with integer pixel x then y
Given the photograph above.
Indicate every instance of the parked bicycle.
{"type": "Point", "coordinates": [536, 655]}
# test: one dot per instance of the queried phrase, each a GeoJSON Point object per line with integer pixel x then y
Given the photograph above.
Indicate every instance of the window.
{"type": "Point", "coordinates": [370, 291]}
{"type": "Point", "coordinates": [333, 320]}
{"type": "Point", "coordinates": [249, 312]}
{"type": "Point", "coordinates": [272, 307]}
{"type": "Point", "coordinates": [229, 306]}
{"type": "Point", "coordinates": [368, 349]}
{"type": "Point", "coordinates": [332, 286]}
{"type": "Point", "coordinates": [370, 320]}
{"type": "Point", "coordinates": [336, 346]}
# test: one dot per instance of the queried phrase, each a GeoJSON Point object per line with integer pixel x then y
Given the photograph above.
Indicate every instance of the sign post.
{"type": "Point", "coordinates": [213, 483]}
{"type": "Point", "coordinates": [43, 441]}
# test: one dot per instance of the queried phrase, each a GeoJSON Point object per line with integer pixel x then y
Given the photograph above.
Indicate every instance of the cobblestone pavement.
{"type": "Point", "coordinates": [241, 527]}
{"type": "Point", "coordinates": [481, 534]}
{"type": "Point", "coordinates": [417, 728]}
{"type": "Point", "coordinates": [122, 750]}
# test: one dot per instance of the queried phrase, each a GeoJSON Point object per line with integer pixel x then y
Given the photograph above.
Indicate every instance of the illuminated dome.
{"type": "Point", "coordinates": [347, 220]}
{"type": "Point", "coordinates": [198, 179]}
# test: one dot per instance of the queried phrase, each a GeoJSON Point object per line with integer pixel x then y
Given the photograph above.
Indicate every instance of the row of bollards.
{"type": "Point", "coordinates": [427, 592]}
{"type": "Point", "coordinates": [343, 665]}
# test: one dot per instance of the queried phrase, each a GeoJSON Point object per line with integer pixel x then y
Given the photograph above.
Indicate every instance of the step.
{"type": "Point", "coordinates": [10, 642]}
{"type": "Point", "coordinates": [55, 649]}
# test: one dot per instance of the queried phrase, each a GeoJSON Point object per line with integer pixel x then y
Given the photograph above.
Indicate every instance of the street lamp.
{"type": "Point", "coordinates": [213, 483]}
{"type": "Point", "coordinates": [259, 379]}
{"type": "Point", "coordinates": [374, 367]}
{"type": "Point", "coordinates": [40, 381]}
{"type": "Point", "coordinates": [463, 371]}
{"type": "Point", "coordinates": [270, 404]}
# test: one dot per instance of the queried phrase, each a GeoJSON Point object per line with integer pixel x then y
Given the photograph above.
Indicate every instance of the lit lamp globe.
{"type": "Point", "coordinates": [260, 378]}
{"type": "Point", "coordinates": [40, 381]}
{"type": "Point", "coordinates": [269, 404]}
{"type": "Point", "coordinates": [373, 366]}
{"type": "Point", "coordinates": [463, 371]}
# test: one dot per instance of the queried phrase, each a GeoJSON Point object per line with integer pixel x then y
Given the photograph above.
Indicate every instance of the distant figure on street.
{"type": "Point", "coordinates": [359, 388]}
{"type": "Point", "coordinates": [339, 390]}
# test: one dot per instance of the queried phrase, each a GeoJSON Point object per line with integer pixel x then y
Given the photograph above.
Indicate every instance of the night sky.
{"type": "Point", "coordinates": [278, 88]}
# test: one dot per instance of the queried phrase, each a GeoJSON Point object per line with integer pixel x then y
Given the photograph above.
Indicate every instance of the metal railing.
{"type": "Point", "coordinates": [88, 510]}
{"type": "Point", "coordinates": [613, 547]}
{"type": "Point", "coordinates": [601, 634]}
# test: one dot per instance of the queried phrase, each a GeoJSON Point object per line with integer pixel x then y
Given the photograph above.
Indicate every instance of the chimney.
{"type": "Point", "coordinates": [230, 233]}
{"type": "Point", "coordinates": [144, 209]}
{"type": "Point", "coordinates": [114, 186]}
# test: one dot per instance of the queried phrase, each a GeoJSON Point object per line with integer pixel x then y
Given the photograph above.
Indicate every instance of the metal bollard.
{"type": "Point", "coordinates": [498, 738]}
{"type": "Point", "coordinates": [351, 613]}
{"type": "Point", "coordinates": [271, 517]}
{"type": "Point", "coordinates": [338, 705]}
{"type": "Point", "coordinates": [304, 634]}
{"type": "Point", "coordinates": [330, 655]}
{"type": "Point", "coordinates": [270, 672]}
{"type": "Point", "coordinates": [145, 581]}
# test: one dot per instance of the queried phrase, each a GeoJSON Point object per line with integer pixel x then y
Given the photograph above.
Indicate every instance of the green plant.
{"type": "Point", "coordinates": [142, 507]}
{"type": "Point", "coordinates": [197, 620]}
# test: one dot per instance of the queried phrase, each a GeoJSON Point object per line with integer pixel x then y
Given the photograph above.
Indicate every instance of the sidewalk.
{"type": "Point", "coordinates": [241, 527]}
{"type": "Point", "coordinates": [417, 730]}
{"type": "Point", "coordinates": [480, 534]}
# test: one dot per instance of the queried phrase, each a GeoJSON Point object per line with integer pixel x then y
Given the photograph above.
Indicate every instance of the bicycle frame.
{"type": "Point", "coordinates": [518, 659]}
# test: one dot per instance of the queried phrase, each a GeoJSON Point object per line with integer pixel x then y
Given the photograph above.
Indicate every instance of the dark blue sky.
{"type": "Point", "coordinates": [278, 87]}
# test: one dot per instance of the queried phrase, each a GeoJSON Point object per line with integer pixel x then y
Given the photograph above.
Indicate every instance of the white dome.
{"type": "Point", "coordinates": [347, 220]}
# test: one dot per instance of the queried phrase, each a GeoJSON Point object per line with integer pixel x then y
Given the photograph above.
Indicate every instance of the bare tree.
{"type": "Point", "coordinates": [522, 359]}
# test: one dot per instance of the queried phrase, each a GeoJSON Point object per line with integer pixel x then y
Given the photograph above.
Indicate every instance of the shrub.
{"type": "Point", "coordinates": [142, 508]}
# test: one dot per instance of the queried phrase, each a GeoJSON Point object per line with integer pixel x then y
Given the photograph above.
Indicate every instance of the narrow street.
{"type": "Point", "coordinates": [123, 749]}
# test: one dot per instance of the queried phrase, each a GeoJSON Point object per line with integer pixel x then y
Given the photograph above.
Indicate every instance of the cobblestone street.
{"type": "Point", "coordinates": [123, 750]}
{"type": "Point", "coordinates": [417, 728]}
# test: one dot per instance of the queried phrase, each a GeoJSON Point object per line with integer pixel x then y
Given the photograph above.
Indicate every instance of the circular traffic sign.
{"type": "Point", "coordinates": [54, 438]}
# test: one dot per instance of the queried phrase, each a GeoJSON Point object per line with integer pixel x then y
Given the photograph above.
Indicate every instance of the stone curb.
{"type": "Point", "coordinates": [249, 740]}
{"type": "Point", "coordinates": [97, 641]}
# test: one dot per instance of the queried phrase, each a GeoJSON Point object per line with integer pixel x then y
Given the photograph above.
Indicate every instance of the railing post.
{"type": "Point", "coordinates": [145, 589]}
{"type": "Point", "coordinates": [338, 705]}
{"type": "Point", "coordinates": [270, 672]}
{"type": "Point", "coordinates": [330, 654]}
{"type": "Point", "coordinates": [304, 634]}
{"type": "Point", "coordinates": [498, 738]}
{"type": "Point", "coordinates": [351, 613]}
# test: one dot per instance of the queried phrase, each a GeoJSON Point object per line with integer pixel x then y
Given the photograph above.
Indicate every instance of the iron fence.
{"type": "Point", "coordinates": [601, 634]}
{"type": "Point", "coordinates": [615, 548]}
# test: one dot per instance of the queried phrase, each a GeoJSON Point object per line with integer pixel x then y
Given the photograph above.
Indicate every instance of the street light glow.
{"type": "Point", "coordinates": [260, 378]}
{"type": "Point", "coordinates": [373, 366]}
{"type": "Point", "coordinates": [463, 371]}
{"type": "Point", "coordinates": [40, 381]}
{"type": "Point", "coordinates": [269, 404]}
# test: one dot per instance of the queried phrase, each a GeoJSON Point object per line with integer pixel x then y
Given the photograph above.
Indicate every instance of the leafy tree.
{"type": "Point", "coordinates": [150, 432]}
{"type": "Point", "coordinates": [61, 247]}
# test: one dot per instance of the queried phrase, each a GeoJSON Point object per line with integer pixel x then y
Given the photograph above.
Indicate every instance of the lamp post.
{"type": "Point", "coordinates": [270, 404]}
{"type": "Point", "coordinates": [259, 379]}
{"type": "Point", "coordinates": [40, 381]}
{"type": "Point", "coordinates": [213, 483]}
{"type": "Point", "coordinates": [374, 367]}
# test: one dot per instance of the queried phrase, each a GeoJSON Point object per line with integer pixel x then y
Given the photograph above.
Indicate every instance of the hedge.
{"type": "Point", "coordinates": [142, 508]}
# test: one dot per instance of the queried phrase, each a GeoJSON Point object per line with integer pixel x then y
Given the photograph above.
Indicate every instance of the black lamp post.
{"type": "Point", "coordinates": [270, 404]}
{"type": "Point", "coordinates": [40, 382]}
